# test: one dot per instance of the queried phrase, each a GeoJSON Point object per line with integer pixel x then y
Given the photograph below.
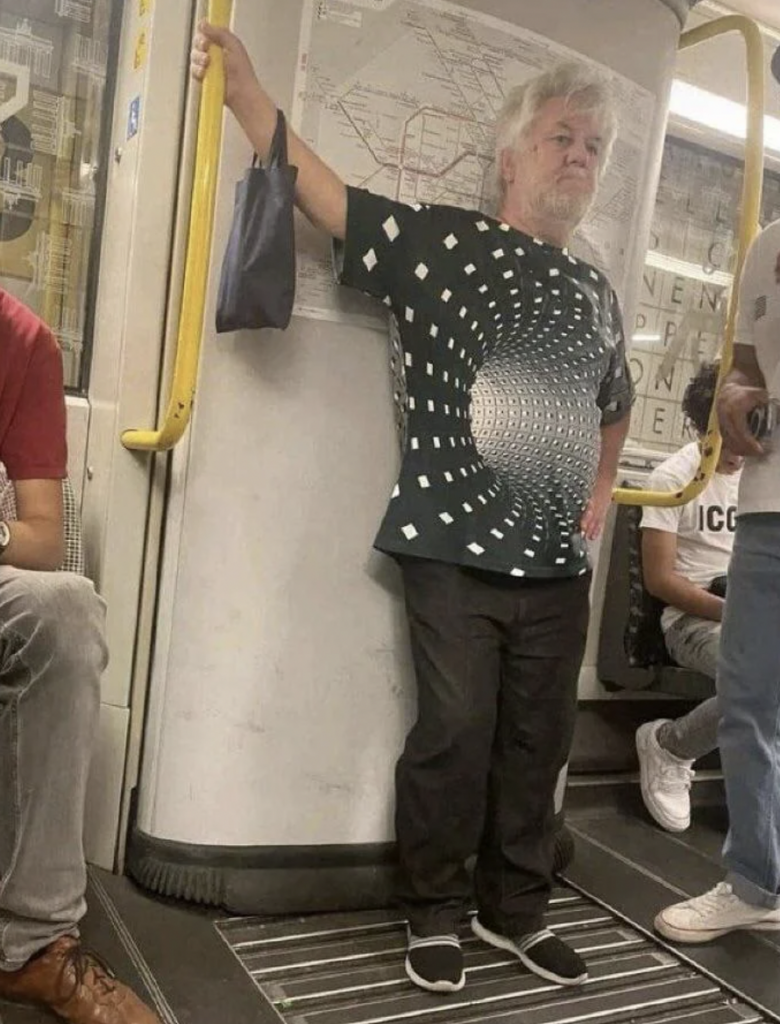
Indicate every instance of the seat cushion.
{"type": "Point", "coordinates": [643, 638]}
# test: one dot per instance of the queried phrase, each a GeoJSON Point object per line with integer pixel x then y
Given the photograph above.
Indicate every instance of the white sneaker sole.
{"type": "Point", "coordinates": [505, 944]}
{"type": "Point", "coordinates": [433, 986]}
{"type": "Point", "coordinates": [692, 936]}
{"type": "Point", "coordinates": [658, 816]}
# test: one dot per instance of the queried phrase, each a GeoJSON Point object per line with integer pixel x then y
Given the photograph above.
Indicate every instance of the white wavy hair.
{"type": "Point", "coordinates": [584, 89]}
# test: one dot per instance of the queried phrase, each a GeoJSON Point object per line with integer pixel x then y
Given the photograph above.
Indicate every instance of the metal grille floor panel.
{"type": "Point", "coordinates": [348, 969]}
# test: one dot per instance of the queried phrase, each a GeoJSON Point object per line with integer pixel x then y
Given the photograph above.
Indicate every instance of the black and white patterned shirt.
{"type": "Point", "coordinates": [514, 356]}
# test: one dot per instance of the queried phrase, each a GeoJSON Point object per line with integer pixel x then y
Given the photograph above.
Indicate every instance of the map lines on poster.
{"type": "Point", "coordinates": [401, 97]}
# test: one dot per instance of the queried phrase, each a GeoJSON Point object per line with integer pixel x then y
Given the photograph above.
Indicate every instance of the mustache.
{"type": "Point", "coordinates": [579, 174]}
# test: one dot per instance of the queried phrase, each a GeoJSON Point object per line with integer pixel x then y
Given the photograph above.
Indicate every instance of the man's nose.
{"type": "Point", "coordinates": [578, 153]}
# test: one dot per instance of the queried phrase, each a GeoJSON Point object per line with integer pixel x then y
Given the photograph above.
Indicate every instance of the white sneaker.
{"type": "Point", "coordinates": [716, 913]}
{"type": "Point", "coordinates": [665, 780]}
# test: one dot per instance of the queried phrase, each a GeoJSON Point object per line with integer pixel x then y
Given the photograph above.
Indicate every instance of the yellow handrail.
{"type": "Point", "coordinates": [185, 368]}
{"type": "Point", "coordinates": [751, 208]}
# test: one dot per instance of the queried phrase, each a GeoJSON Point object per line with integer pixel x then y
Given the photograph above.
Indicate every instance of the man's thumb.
{"type": "Point", "coordinates": [214, 33]}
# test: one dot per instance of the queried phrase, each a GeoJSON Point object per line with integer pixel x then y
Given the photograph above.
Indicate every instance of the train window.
{"type": "Point", "coordinates": [686, 282]}
{"type": "Point", "coordinates": [55, 101]}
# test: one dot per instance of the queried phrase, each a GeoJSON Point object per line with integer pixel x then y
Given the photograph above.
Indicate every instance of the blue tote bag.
{"type": "Point", "coordinates": [257, 284]}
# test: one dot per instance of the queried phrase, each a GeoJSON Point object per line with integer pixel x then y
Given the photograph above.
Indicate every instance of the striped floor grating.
{"type": "Point", "coordinates": [348, 969]}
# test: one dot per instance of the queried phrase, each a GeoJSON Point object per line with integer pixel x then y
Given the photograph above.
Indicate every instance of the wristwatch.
{"type": "Point", "coordinates": [5, 536]}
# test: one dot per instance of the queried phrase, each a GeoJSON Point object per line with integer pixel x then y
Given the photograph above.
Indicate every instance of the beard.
{"type": "Point", "coordinates": [559, 204]}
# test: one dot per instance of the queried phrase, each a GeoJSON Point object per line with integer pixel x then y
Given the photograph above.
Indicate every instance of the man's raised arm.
{"type": "Point", "coordinates": [320, 194]}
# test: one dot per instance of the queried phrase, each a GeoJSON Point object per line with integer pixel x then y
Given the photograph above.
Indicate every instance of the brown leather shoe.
{"type": "Point", "coordinates": [76, 985]}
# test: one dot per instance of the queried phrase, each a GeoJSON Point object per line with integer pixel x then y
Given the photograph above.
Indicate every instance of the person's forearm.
{"type": "Point", "coordinates": [319, 193]}
{"type": "Point", "coordinates": [38, 544]}
{"type": "Point", "coordinates": [613, 437]}
{"type": "Point", "coordinates": [680, 593]}
{"type": "Point", "coordinates": [744, 377]}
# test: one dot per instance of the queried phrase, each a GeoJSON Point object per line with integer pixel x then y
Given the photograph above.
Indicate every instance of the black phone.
{"type": "Point", "coordinates": [718, 586]}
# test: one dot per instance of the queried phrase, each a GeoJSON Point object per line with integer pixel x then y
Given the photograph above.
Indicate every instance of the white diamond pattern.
{"type": "Point", "coordinates": [501, 371]}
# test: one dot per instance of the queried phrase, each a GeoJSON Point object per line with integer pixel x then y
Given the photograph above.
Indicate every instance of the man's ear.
{"type": "Point", "coordinates": [508, 166]}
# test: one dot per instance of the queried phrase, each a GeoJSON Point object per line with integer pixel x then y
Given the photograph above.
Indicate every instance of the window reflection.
{"type": "Point", "coordinates": [53, 65]}
{"type": "Point", "coordinates": [686, 282]}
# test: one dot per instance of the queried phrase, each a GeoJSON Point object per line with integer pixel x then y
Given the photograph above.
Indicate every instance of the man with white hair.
{"type": "Point", "coordinates": [518, 402]}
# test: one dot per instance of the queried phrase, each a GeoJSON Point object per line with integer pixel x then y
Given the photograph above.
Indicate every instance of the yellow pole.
{"type": "Point", "coordinates": [207, 153]}
{"type": "Point", "coordinates": [751, 208]}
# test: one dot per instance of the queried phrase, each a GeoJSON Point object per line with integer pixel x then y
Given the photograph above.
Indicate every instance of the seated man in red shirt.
{"type": "Point", "coordinates": [52, 654]}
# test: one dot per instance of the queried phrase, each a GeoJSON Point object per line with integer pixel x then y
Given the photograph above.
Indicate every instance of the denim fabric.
{"type": "Point", "coordinates": [749, 695]}
{"type": "Point", "coordinates": [52, 654]}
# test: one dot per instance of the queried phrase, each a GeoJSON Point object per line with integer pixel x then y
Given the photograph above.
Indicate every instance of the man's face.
{"type": "Point", "coordinates": [554, 170]}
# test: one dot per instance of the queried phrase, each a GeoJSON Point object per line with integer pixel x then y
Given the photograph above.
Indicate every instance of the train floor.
{"type": "Point", "coordinates": [204, 967]}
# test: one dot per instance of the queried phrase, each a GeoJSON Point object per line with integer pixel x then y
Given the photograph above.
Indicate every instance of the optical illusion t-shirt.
{"type": "Point", "coordinates": [514, 357]}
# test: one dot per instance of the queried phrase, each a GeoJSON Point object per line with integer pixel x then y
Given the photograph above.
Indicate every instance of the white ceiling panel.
{"type": "Point", "coordinates": [767, 11]}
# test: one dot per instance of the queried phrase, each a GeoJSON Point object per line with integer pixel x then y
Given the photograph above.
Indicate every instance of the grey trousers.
{"type": "Point", "coordinates": [52, 654]}
{"type": "Point", "coordinates": [693, 643]}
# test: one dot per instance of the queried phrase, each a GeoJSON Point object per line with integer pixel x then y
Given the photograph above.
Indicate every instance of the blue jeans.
{"type": "Point", "coordinates": [749, 696]}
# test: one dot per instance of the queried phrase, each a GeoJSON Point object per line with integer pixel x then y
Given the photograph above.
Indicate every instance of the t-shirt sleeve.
{"type": "Point", "coordinates": [381, 251]}
{"type": "Point", "coordinates": [34, 446]}
{"type": "Point", "coordinates": [665, 519]}
{"type": "Point", "coordinates": [616, 394]}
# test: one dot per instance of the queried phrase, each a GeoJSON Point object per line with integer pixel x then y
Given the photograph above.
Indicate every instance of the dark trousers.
{"type": "Point", "coordinates": [497, 662]}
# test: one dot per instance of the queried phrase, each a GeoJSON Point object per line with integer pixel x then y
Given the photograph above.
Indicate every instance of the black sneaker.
{"type": "Point", "coordinates": [435, 963]}
{"type": "Point", "coordinates": [542, 952]}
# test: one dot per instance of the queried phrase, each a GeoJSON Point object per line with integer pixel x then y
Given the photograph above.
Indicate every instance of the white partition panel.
{"type": "Point", "coordinates": [281, 688]}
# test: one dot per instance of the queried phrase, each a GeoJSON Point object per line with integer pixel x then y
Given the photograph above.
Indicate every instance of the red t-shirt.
{"type": "Point", "coordinates": [32, 400]}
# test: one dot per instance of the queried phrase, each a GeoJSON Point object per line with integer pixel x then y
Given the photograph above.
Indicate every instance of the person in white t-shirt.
{"type": "Point", "coordinates": [685, 555]}
{"type": "Point", "coordinates": [749, 661]}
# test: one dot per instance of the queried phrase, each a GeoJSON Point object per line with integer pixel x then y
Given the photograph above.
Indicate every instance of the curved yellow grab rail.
{"type": "Point", "coordinates": [751, 207]}
{"type": "Point", "coordinates": [193, 302]}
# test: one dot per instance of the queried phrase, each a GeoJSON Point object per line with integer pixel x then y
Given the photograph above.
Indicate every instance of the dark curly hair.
{"type": "Point", "coordinates": [700, 394]}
